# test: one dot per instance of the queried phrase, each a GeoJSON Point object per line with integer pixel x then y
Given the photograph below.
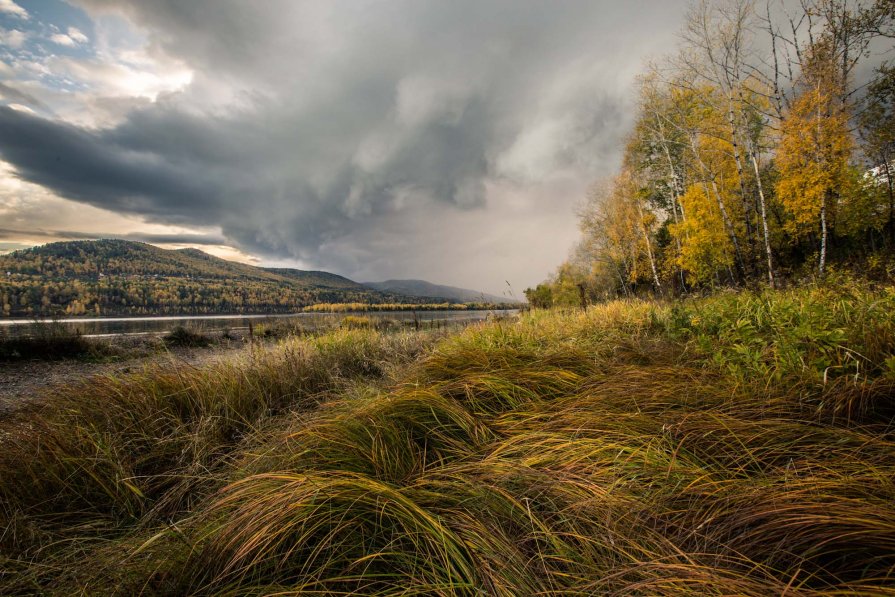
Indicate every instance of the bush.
{"type": "Point", "coordinates": [184, 337]}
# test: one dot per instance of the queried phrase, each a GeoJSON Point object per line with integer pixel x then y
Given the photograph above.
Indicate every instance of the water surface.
{"type": "Point", "coordinates": [118, 326]}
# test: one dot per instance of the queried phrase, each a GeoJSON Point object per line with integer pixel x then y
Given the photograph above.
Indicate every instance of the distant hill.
{"type": "Point", "coordinates": [423, 289]}
{"type": "Point", "coordinates": [318, 277]}
{"type": "Point", "coordinates": [118, 277]}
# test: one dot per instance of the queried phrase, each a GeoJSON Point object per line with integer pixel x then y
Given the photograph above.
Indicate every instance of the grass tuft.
{"type": "Point", "coordinates": [181, 336]}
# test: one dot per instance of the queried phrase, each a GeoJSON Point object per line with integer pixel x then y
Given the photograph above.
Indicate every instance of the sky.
{"type": "Point", "coordinates": [447, 141]}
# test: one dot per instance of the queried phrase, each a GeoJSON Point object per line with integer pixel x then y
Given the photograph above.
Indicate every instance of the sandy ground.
{"type": "Point", "coordinates": [22, 382]}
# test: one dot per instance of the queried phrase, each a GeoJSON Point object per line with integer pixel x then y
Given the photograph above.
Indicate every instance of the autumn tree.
{"type": "Point", "coordinates": [539, 297]}
{"type": "Point", "coordinates": [720, 51]}
{"type": "Point", "coordinates": [712, 168]}
{"type": "Point", "coordinates": [656, 155]}
{"type": "Point", "coordinates": [878, 132]}
{"type": "Point", "coordinates": [815, 148]}
{"type": "Point", "coordinates": [618, 213]}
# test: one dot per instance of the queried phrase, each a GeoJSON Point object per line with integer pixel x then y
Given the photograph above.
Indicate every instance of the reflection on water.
{"type": "Point", "coordinates": [116, 326]}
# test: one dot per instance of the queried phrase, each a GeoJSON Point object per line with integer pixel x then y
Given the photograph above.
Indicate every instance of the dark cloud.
{"type": "Point", "coordinates": [156, 239]}
{"type": "Point", "coordinates": [173, 239]}
{"type": "Point", "coordinates": [93, 168]}
{"type": "Point", "coordinates": [17, 96]}
{"type": "Point", "coordinates": [334, 132]}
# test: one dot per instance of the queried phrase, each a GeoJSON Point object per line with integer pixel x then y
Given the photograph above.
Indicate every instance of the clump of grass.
{"type": "Point", "coordinates": [50, 341]}
{"type": "Point", "coordinates": [181, 336]}
{"type": "Point", "coordinates": [357, 322]}
{"type": "Point", "coordinates": [363, 322]}
{"type": "Point", "coordinates": [300, 526]}
{"type": "Point", "coordinates": [61, 347]}
{"type": "Point", "coordinates": [704, 447]}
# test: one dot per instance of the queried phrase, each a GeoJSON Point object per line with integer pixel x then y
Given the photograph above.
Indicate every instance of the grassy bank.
{"type": "Point", "coordinates": [740, 444]}
{"type": "Point", "coordinates": [378, 307]}
{"type": "Point", "coordinates": [52, 341]}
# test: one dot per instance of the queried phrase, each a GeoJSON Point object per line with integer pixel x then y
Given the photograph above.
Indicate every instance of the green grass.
{"type": "Point", "coordinates": [740, 444]}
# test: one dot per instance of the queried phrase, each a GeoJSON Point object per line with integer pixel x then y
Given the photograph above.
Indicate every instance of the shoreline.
{"type": "Point", "coordinates": [30, 381]}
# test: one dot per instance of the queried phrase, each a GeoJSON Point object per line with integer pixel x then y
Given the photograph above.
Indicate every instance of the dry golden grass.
{"type": "Point", "coordinates": [736, 445]}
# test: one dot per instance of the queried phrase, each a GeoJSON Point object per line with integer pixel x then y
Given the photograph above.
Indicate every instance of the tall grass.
{"type": "Point", "coordinates": [50, 341]}
{"type": "Point", "coordinates": [730, 445]}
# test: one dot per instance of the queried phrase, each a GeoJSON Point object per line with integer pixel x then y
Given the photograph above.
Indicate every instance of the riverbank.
{"type": "Point", "coordinates": [61, 359]}
{"type": "Point", "coordinates": [24, 381]}
{"type": "Point", "coordinates": [739, 444]}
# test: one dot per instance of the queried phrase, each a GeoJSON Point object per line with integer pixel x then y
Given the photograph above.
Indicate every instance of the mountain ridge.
{"type": "Point", "coordinates": [425, 289]}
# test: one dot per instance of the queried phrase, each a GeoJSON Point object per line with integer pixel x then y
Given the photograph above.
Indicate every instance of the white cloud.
{"type": "Point", "coordinates": [77, 35]}
{"type": "Point", "coordinates": [12, 38]}
{"type": "Point", "coordinates": [96, 91]}
{"type": "Point", "coordinates": [11, 8]}
{"type": "Point", "coordinates": [533, 154]}
{"type": "Point", "coordinates": [22, 108]}
{"type": "Point", "coordinates": [111, 79]}
{"type": "Point", "coordinates": [33, 67]}
{"type": "Point", "coordinates": [62, 39]}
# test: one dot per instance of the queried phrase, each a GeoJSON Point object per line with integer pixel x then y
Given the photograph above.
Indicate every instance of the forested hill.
{"type": "Point", "coordinates": [320, 278]}
{"type": "Point", "coordinates": [117, 277]}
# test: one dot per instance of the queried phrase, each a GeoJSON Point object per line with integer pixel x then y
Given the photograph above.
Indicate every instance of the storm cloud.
{"type": "Point", "coordinates": [446, 140]}
{"type": "Point", "coordinates": [166, 239]}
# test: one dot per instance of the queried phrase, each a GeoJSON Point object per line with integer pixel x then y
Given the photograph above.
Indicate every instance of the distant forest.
{"type": "Point", "coordinates": [757, 156]}
{"type": "Point", "coordinates": [111, 277]}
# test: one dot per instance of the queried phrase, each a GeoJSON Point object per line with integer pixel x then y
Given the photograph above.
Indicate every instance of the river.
{"type": "Point", "coordinates": [119, 326]}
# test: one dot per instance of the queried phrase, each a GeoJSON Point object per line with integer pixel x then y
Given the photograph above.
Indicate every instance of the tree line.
{"type": "Point", "coordinates": [762, 148]}
{"type": "Point", "coordinates": [31, 296]}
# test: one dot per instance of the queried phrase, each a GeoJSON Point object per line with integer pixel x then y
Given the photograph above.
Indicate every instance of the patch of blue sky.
{"type": "Point", "coordinates": [53, 27]}
{"type": "Point", "coordinates": [46, 45]}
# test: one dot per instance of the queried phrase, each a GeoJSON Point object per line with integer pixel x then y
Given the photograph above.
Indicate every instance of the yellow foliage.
{"type": "Point", "coordinates": [813, 159]}
{"type": "Point", "coordinates": [705, 246]}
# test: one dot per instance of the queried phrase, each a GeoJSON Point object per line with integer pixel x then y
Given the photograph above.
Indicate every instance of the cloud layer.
{"type": "Point", "coordinates": [378, 139]}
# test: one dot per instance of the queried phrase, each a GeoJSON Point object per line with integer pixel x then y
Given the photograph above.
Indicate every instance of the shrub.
{"type": "Point", "coordinates": [185, 337]}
